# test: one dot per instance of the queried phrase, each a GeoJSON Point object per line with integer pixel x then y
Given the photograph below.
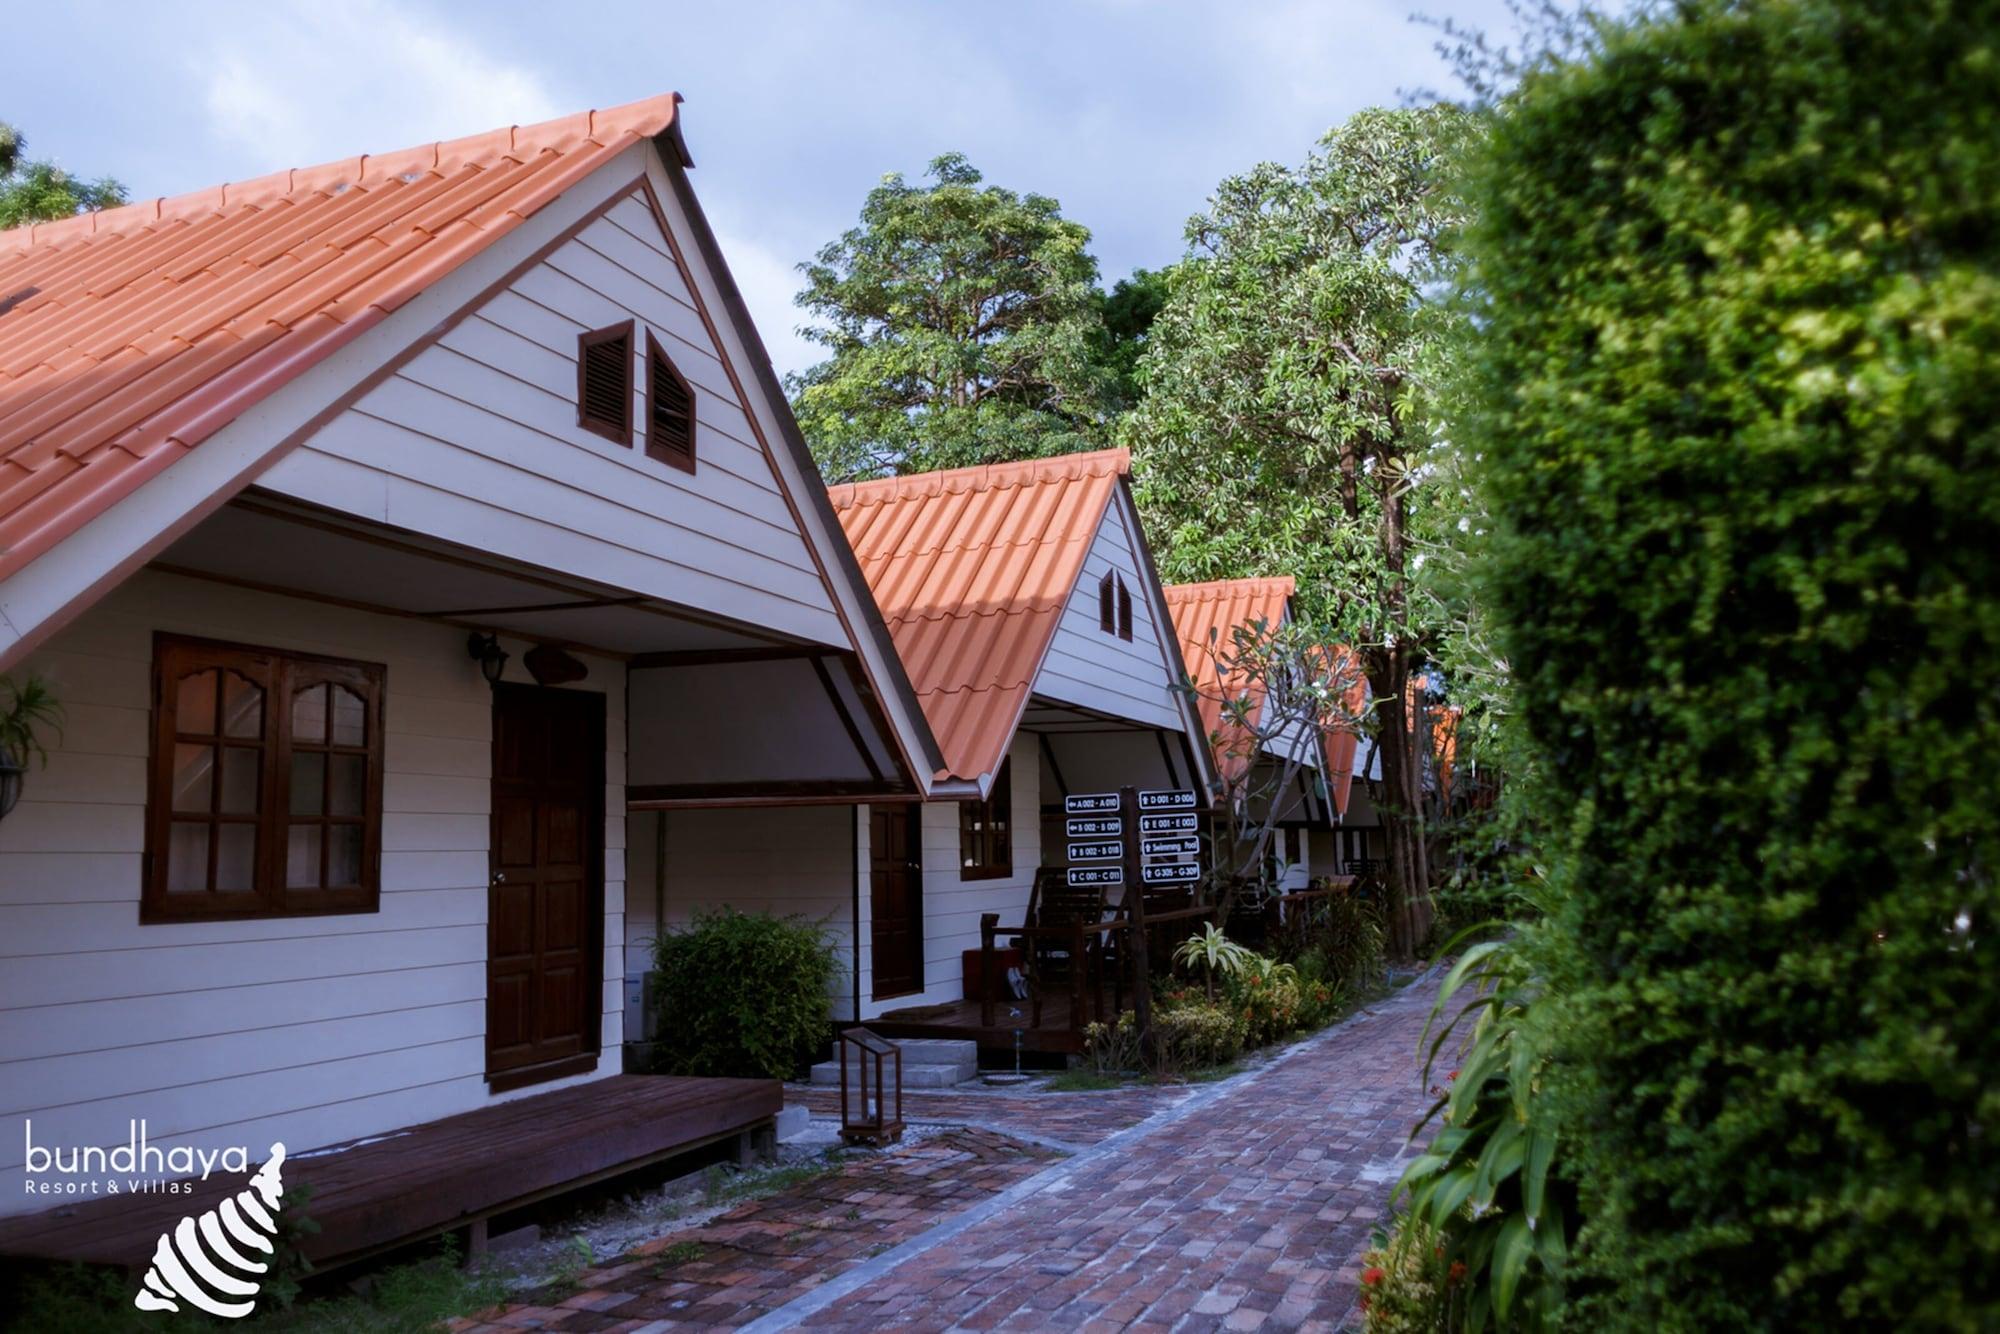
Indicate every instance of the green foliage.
{"type": "Point", "coordinates": [964, 325]}
{"type": "Point", "coordinates": [1344, 938]}
{"type": "Point", "coordinates": [1737, 397]}
{"type": "Point", "coordinates": [1126, 314]}
{"type": "Point", "coordinates": [1218, 955]}
{"type": "Point", "coordinates": [1489, 1196]}
{"type": "Point", "coordinates": [744, 994]}
{"type": "Point", "coordinates": [1408, 1287]}
{"type": "Point", "coordinates": [1196, 1036]}
{"type": "Point", "coordinates": [1266, 995]}
{"type": "Point", "coordinates": [42, 191]}
{"type": "Point", "coordinates": [27, 711]}
{"type": "Point", "coordinates": [1290, 376]}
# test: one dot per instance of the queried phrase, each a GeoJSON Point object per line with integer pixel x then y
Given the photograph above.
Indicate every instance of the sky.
{"type": "Point", "coordinates": [1127, 111]}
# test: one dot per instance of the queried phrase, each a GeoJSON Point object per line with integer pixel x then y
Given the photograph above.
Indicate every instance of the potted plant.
{"type": "Point", "coordinates": [24, 709]}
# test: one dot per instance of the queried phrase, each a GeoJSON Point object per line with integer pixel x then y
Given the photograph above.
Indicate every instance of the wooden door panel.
{"type": "Point", "coordinates": [546, 901]}
{"type": "Point", "coordinates": [895, 901]}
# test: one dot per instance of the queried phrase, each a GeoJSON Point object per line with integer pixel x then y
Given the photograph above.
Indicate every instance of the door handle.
{"type": "Point", "coordinates": [499, 877]}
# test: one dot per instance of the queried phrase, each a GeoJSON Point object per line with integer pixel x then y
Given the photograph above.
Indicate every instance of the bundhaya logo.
{"type": "Point", "coordinates": [202, 1261]}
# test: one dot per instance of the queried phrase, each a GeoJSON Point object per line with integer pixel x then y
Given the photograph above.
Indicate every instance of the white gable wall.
{"type": "Point", "coordinates": [307, 1029]}
{"type": "Point", "coordinates": [1095, 670]}
{"type": "Point", "coordinates": [476, 440]}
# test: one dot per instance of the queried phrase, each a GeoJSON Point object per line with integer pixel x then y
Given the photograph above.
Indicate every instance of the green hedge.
{"type": "Point", "coordinates": [743, 994]}
{"type": "Point", "coordinates": [1737, 390]}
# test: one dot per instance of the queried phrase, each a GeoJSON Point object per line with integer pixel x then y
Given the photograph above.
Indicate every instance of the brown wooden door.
{"type": "Point", "coordinates": [896, 893]}
{"type": "Point", "coordinates": [545, 902]}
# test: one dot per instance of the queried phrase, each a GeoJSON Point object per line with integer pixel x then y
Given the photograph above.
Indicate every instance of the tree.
{"type": "Point", "coordinates": [1292, 381]}
{"type": "Point", "coordinates": [962, 322]}
{"type": "Point", "coordinates": [41, 191]}
{"type": "Point", "coordinates": [1736, 397]}
{"type": "Point", "coordinates": [1274, 692]}
{"type": "Point", "coordinates": [1127, 313]}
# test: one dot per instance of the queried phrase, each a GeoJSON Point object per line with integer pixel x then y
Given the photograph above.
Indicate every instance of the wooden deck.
{"type": "Point", "coordinates": [389, 1189]}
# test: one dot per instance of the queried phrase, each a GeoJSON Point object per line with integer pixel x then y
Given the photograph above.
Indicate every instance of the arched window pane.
{"type": "Point", "coordinates": [309, 716]}
{"type": "Point", "coordinates": [242, 707]}
{"type": "Point", "coordinates": [194, 704]}
{"type": "Point", "coordinates": [350, 718]}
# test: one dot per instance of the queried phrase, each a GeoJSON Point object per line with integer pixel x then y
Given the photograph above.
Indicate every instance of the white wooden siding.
{"type": "Point", "coordinates": [1085, 666]}
{"type": "Point", "coordinates": [476, 440]}
{"type": "Point", "coordinates": [952, 906]}
{"type": "Point", "coordinates": [775, 859]}
{"type": "Point", "coordinates": [310, 1030]}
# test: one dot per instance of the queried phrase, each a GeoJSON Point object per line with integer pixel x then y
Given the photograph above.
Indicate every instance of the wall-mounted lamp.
{"type": "Point", "coordinates": [486, 651]}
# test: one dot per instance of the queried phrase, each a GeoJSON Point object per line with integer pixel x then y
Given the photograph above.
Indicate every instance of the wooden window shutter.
{"type": "Point", "coordinates": [1124, 609]}
{"type": "Point", "coordinates": [1107, 611]}
{"type": "Point", "coordinates": [604, 382]}
{"type": "Point", "coordinates": [669, 410]}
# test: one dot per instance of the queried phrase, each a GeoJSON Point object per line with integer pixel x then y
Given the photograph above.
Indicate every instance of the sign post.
{"type": "Point", "coordinates": [1135, 914]}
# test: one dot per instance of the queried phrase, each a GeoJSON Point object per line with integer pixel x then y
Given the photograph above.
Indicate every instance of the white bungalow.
{"type": "Point", "coordinates": [1024, 604]}
{"type": "Point", "coordinates": [388, 530]}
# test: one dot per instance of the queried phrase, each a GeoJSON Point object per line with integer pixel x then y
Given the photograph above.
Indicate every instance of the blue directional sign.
{"type": "Point", "coordinates": [1170, 847]}
{"type": "Point", "coordinates": [1095, 852]}
{"type": "Point", "coordinates": [1096, 827]}
{"type": "Point", "coordinates": [1096, 875]}
{"type": "Point", "coordinates": [1168, 873]}
{"type": "Point", "coordinates": [1168, 824]}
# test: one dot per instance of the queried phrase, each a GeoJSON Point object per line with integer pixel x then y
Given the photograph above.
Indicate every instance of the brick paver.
{"type": "Point", "coordinates": [1063, 1118]}
{"type": "Point", "coordinates": [1243, 1205]}
{"type": "Point", "coordinates": [755, 1258]}
{"type": "Point", "coordinates": [1244, 1208]}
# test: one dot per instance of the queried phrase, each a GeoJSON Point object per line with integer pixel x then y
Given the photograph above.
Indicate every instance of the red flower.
{"type": "Point", "coordinates": [1457, 1271]}
{"type": "Point", "coordinates": [1452, 1075]}
{"type": "Point", "coordinates": [1372, 1275]}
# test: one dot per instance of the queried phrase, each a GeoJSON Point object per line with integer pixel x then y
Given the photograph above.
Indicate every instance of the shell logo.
{"type": "Point", "coordinates": [203, 1260]}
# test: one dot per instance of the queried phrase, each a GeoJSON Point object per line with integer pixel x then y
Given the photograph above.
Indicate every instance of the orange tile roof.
{"type": "Point", "coordinates": [128, 337]}
{"type": "Point", "coordinates": [1220, 606]}
{"type": "Point", "coordinates": [972, 568]}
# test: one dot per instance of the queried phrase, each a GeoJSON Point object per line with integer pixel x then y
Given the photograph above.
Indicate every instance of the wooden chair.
{"type": "Point", "coordinates": [1056, 909]}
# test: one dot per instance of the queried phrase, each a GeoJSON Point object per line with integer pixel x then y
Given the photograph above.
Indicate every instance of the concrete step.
{"type": "Point", "coordinates": [927, 1063]}
{"type": "Point", "coordinates": [827, 1074]}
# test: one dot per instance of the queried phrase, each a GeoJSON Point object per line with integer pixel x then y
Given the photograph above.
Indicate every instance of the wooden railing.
{"type": "Point", "coordinates": [1087, 944]}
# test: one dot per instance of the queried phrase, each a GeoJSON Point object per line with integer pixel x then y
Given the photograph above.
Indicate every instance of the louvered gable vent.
{"type": "Point", "coordinates": [669, 410]}
{"type": "Point", "coordinates": [604, 382]}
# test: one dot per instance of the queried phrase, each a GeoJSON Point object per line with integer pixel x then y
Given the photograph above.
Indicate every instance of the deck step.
{"type": "Point", "coordinates": [928, 1063]}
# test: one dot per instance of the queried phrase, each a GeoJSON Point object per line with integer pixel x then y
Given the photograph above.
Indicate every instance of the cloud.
{"type": "Point", "coordinates": [300, 84]}
{"type": "Point", "coordinates": [768, 284]}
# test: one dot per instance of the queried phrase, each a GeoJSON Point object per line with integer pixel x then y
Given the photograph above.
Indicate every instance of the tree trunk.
{"type": "Point", "coordinates": [1400, 806]}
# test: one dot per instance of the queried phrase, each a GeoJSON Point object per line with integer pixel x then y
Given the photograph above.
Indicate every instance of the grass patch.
{"type": "Point", "coordinates": [404, 1299]}
{"type": "Point", "coordinates": [681, 1253]}
{"type": "Point", "coordinates": [1082, 1081]}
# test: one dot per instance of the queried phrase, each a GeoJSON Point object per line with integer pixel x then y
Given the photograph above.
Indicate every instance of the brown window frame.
{"type": "Point", "coordinates": [671, 455]}
{"type": "Point", "coordinates": [976, 823]}
{"type": "Point", "coordinates": [281, 675]}
{"type": "Point", "coordinates": [617, 432]}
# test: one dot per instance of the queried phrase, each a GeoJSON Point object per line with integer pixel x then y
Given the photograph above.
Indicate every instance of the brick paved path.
{"type": "Point", "coordinates": [1064, 1119]}
{"type": "Point", "coordinates": [1239, 1205]}
{"type": "Point", "coordinates": [1245, 1206]}
{"type": "Point", "coordinates": [745, 1263]}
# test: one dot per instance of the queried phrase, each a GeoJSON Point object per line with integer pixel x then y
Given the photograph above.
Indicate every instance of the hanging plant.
{"type": "Point", "coordinates": [26, 710]}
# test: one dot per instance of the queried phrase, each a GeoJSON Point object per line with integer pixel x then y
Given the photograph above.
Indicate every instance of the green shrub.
{"type": "Point", "coordinates": [1407, 1285]}
{"type": "Point", "coordinates": [1736, 389]}
{"type": "Point", "coordinates": [744, 994]}
{"type": "Point", "coordinates": [1342, 940]}
{"type": "Point", "coordinates": [1267, 995]}
{"type": "Point", "coordinates": [1193, 1037]}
